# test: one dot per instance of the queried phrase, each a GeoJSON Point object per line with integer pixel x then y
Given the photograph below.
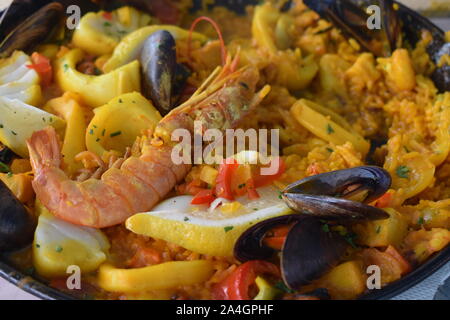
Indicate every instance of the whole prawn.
{"type": "Point", "coordinates": [140, 182]}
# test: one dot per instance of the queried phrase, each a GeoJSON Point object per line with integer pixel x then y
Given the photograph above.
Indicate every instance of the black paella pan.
{"type": "Point", "coordinates": [411, 24]}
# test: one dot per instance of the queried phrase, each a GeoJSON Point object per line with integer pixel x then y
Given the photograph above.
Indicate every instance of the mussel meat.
{"type": "Point", "coordinates": [17, 224]}
{"type": "Point", "coordinates": [33, 31]}
{"type": "Point", "coordinates": [158, 60]}
{"type": "Point", "coordinates": [327, 195]}
{"type": "Point", "coordinates": [308, 252]}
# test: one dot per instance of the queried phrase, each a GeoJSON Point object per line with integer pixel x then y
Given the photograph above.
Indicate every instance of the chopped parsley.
{"type": "Point", "coordinates": [66, 67]}
{"type": "Point", "coordinates": [120, 100]}
{"type": "Point", "coordinates": [1, 126]}
{"type": "Point", "coordinates": [103, 132]}
{"type": "Point", "coordinates": [97, 140]}
{"type": "Point", "coordinates": [378, 229]}
{"type": "Point", "coordinates": [186, 219]}
{"type": "Point", "coordinates": [91, 131]}
{"type": "Point", "coordinates": [420, 221]}
{"type": "Point", "coordinates": [107, 24]}
{"type": "Point", "coordinates": [4, 168]}
{"type": "Point", "coordinates": [280, 285]}
{"type": "Point", "coordinates": [329, 150]}
{"type": "Point", "coordinates": [59, 249]}
{"type": "Point", "coordinates": [228, 228]}
{"type": "Point", "coordinates": [402, 172]}
{"type": "Point", "coordinates": [330, 129]}
{"type": "Point", "coordinates": [326, 228]}
{"type": "Point", "coordinates": [115, 134]}
{"type": "Point", "coordinates": [279, 195]}
{"type": "Point", "coordinates": [14, 133]}
{"type": "Point", "coordinates": [38, 245]}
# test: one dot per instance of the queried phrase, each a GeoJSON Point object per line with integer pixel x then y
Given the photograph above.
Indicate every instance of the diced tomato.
{"type": "Point", "coordinates": [264, 180]}
{"type": "Point", "coordinates": [194, 187]}
{"type": "Point", "coordinates": [237, 285]}
{"type": "Point", "coordinates": [43, 67]}
{"type": "Point", "coordinates": [223, 183]}
{"type": "Point", "coordinates": [107, 15]}
{"type": "Point", "coordinates": [205, 196]}
{"type": "Point", "coordinates": [384, 201]}
{"type": "Point", "coordinates": [404, 265]}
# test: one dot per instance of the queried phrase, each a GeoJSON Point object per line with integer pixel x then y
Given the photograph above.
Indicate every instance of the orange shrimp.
{"type": "Point", "coordinates": [140, 182]}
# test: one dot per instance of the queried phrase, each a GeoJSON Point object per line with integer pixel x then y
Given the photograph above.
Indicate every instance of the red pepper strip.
{"type": "Point", "coordinates": [43, 67]}
{"type": "Point", "coordinates": [223, 181]}
{"type": "Point", "coordinates": [205, 196]}
{"type": "Point", "coordinates": [263, 180]}
{"type": "Point", "coordinates": [107, 15]}
{"type": "Point", "coordinates": [219, 33]}
{"type": "Point", "coordinates": [236, 286]}
{"type": "Point", "coordinates": [251, 190]}
{"type": "Point", "coordinates": [384, 201]}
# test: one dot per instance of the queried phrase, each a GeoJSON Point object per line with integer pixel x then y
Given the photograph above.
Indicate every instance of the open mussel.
{"type": "Point", "coordinates": [400, 25]}
{"type": "Point", "coordinates": [309, 250]}
{"type": "Point", "coordinates": [352, 19]}
{"type": "Point", "coordinates": [328, 195]}
{"type": "Point", "coordinates": [17, 224]}
{"type": "Point", "coordinates": [33, 31]}
{"type": "Point", "coordinates": [162, 76]}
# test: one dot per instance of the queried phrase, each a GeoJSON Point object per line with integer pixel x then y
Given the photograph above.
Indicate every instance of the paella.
{"type": "Point", "coordinates": [291, 152]}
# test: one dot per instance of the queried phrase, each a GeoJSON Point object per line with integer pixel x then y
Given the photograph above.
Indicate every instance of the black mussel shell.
{"type": "Point", "coordinates": [33, 31]}
{"type": "Point", "coordinates": [17, 224]}
{"type": "Point", "coordinates": [6, 154]}
{"type": "Point", "coordinates": [351, 18]}
{"type": "Point", "coordinates": [375, 180]}
{"type": "Point", "coordinates": [158, 60]}
{"type": "Point", "coordinates": [309, 251]}
{"type": "Point", "coordinates": [331, 208]}
{"type": "Point", "coordinates": [250, 246]}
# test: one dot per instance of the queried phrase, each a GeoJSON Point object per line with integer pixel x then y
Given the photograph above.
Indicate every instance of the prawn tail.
{"type": "Point", "coordinates": [44, 149]}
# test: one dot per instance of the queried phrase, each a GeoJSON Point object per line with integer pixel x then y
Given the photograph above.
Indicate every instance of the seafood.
{"type": "Point", "coordinates": [326, 195]}
{"type": "Point", "coordinates": [352, 19]}
{"type": "Point", "coordinates": [140, 182]}
{"type": "Point", "coordinates": [17, 224]}
{"type": "Point", "coordinates": [33, 30]}
{"type": "Point", "coordinates": [158, 60]}
{"type": "Point", "coordinates": [311, 247]}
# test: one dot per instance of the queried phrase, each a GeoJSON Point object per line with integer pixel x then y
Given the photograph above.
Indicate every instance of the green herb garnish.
{"type": "Point", "coordinates": [330, 129]}
{"type": "Point", "coordinates": [420, 221]}
{"type": "Point", "coordinates": [4, 167]}
{"type": "Point", "coordinates": [59, 249]}
{"type": "Point", "coordinates": [402, 172]}
{"type": "Point", "coordinates": [280, 285]}
{"type": "Point", "coordinates": [115, 134]}
{"type": "Point", "coordinates": [228, 228]}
